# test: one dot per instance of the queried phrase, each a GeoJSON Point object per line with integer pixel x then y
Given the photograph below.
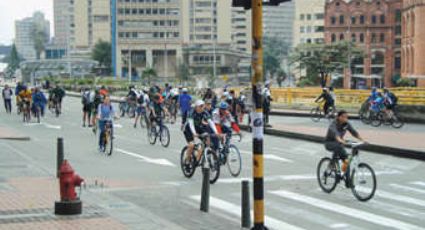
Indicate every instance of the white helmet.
{"type": "Point", "coordinates": [184, 90]}
{"type": "Point", "coordinates": [199, 103]}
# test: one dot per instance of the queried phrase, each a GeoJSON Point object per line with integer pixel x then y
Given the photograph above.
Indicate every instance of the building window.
{"type": "Point", "coordinates": [398, 30]}
{"type": "Point", "coordinates": [308, 29]}
{"type": "Point", "coordinates": [353, 38]}
{"type": "Point", "coordinates": [398, 15]}
{"type": "Point", "coordinates": [302, 29]}
{"type": "Point", "coordinates": [353, 20]}
{"type": "Point", "coordinates": [341, 37]}
{"type": "Point", "coordinates": [361, 38]}
{"type": "Point", "coordinates": [134, 11]}
{"type": "Point", "coordinates": [333, 20]}
{"type": "Point", "coordinates": [302, 16]}
{"type": "Point", "coordinates": [362, 19]}
{"type": "Point", "coordinates": [141, 11]}
{"type": "Point", "coordinates": [308, 40]}
{"type": "Point", "coordinates": [341, 19]}
{"type": "Point", "coordinates": [319, 16]}
{"type": "Point", "coordinates": [382, 19]}
{"type": "Point", "coordinates": [308, 17]}
{"type": "Point", "coordinates": [397, 62]}
{"type": "Point", "coordinates": [373, 38]}
{"type": "Point", "coordinates": [373, 19]}
{"type": "Point", "coordinates": [333, 38]}
{"type": "Point", "coordinates": [382, 38]}
{"type": "Point", "coordinates": [319, 29]}
{"type": "Point", "coordinates": [397, 41]}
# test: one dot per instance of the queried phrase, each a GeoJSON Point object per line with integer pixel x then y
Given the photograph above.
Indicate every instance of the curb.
{"type": "Point", "coordinates": [392, 151]}
{"type": "Point", "coordinates": [16, 138]}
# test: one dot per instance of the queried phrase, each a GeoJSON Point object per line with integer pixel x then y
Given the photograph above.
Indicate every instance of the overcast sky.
{"type": "Point", "coordinates": [11, 10]}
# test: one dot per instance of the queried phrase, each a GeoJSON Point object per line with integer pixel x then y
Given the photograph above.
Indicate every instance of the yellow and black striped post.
{"type": "Point", "coordinates": [257, 113]}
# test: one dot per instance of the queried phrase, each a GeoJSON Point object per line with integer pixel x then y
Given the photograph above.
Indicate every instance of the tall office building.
{"type": "Point", "coordinates": [278, 21]}
{"type": "Point", "coordinates": [24, 34]}
{"type": "Point", "coordinates": [79, 24]}
{"type": "Point", "coordinates": [242, 30]}
{"type": "Point", "coordinates": [309, 21]}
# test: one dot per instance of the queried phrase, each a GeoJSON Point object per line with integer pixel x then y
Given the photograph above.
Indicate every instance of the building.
{"type": "Point", "coordinates": [24, 34]}
{"type": "Point", "coordinates": [79, 24]}
{"type": "Point", "coordinates": [309, 22]}
{"type": "Point", "coordinates": [375, 27]}
{"type": "Point", "coordinates": [413, 41]}
{"type": "Point", "coordinates": [278, 21]}
{"type": "Point", "coordinates": [241, 29]}
{"type": "Point", "coordinates": [164, 34]}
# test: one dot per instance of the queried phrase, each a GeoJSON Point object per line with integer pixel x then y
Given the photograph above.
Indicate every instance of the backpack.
{"type": "Point", "coordinates": [394, 98]}
{"type": "Point", "coordinates": [86, 98]}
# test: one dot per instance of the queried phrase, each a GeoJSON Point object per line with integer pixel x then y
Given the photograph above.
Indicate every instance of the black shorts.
{"type": "Point", "coordinates": [188, 135]}
{"type": "Point", "coordinates": [87, 108]}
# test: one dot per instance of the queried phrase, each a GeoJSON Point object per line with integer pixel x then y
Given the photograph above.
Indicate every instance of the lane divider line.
{"type": "Point", "coordinates": [163, 162]}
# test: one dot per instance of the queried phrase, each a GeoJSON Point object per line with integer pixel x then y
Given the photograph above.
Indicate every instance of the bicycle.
{"type": "Point", "coordinates": [25, 109]}
{"type": "Point", "coordinates": [357, 174]}
{"type": "Point", "coordinates": [383, 117]}
{"type": "Point", "coordinates": [231, 156]}
{"type": "Point", "coordinates": [55, 107]}
{"type": "Point", "coordinates": [37, 112]}
{"type": "Point", "coordinates": [107, 139]}
{"type": "Point", "coordinates": [158, 129]}
{"type": "Point", "coordinates": [128, 107]}
{"type": "Point", "coordinates": [318, 112]}
{"type": "Point", "coordinates": [208, 157]}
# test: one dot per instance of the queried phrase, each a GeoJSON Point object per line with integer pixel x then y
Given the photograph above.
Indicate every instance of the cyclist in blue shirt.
{"type": "Point", "coordinates": [39, 100]}
{"type": "Point", "coordinates": [105, 114]}
{"type": "Point", "coordinates": [185, 101]}
{"type": "Point", "coordinates": [378, 103]}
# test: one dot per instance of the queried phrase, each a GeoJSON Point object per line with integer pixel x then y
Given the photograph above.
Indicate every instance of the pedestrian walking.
{"type": "Point", "coordinates": [7, 94]}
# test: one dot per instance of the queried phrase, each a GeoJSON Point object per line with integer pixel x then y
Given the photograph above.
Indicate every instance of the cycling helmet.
{"type": "Point", "coordinates": [184, 90]}
{"type": "Point", "coordinates": [224, 105]}
{"type": "Point", "coordinates": [199, 103]}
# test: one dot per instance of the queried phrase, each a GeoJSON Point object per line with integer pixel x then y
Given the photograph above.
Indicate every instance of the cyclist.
{"type": "Point", "coordinates": [25, 96]}
{"type": "Point", "coordinates": [209, 107]}
{"type": "Point", "coordinates": [334, 140]}
{"type": "Point", "coordinates": [378, 103]}
{"type": "Point", "coordinates": [185, 101]}
{"type": "Point", "coordinates": [103, 91]}
{"type": "Point", "coordinates": [39, 101]}
{"type": "Point", "coordinates": [390, 100]}
{"type": "Point", "coordinates": [333, 95]}
{"type": "Point", "coordinates": [224, 121]}
{"type": "Point", "coordinates": [210, 95]}
{"type": "Point", "coordinates": [142, 102]}
{"type": "Point", "coordinates": [18, 89]}
{"type": "Point", "coordinates": [199, 122]}
{"type": "Point", "coordinates": [105, 114]}
{"type": "Point", "coordinates": [57, 95]}
{"type": "Point", "coordinates": [157, 111]}
{"type": "Point", "coordinates": [327, 97]}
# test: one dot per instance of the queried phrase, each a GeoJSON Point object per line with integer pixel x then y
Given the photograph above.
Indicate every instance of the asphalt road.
{"type": "Point", "coordinates": [141, 180]}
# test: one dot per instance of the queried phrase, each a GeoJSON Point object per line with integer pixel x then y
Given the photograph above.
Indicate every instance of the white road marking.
{"type": "Point", "coordinates": [50, 126]}
{"type": "Point", "coordinates": [269, 157]}
{"type": "Point", "coordinates": [117, 126]}
{"type": "Point", "coordinates": [399, 198]}
{"type": "Point", "coordinates": [163, 162]}
{"type": "Point", "coordinates": [236, 210]}
{"type": "Point", "coordinates": [407, 188]}
{"type": "Point", "coordinates": [420, 183]}
{"type": "Point", "coordinates": [366, 216]}
{"type": "Point", "coordinates": [339, 225]}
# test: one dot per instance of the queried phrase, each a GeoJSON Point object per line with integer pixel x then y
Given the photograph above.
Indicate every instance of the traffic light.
{"type": "Point", "coordinates": [246, 4]}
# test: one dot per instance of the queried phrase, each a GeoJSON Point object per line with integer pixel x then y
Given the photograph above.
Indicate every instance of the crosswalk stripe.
{"type": "Point", "coordinates": [236, 210]}
{"type": "Point", "coordinates": [407, 188]}
{"type": "Point", "coordinates": [396, 197]}
{"type": "Point", "coordinates": [366, 216]}
{"type": "Point", "coordinates": [420, 183]}
{"type": "Point", "coordinates": [270, 157]}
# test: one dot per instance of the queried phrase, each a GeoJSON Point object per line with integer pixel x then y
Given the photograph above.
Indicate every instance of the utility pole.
{"type": "Point", "coordinates": [257, 98]}
{"type": "Point", "coordinates": [130, 72]}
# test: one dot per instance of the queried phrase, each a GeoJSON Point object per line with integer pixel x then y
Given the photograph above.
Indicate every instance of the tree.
{"type": "Point", "coordinates": [281, 76]}
{"type": "Point", "coordinates": [13, 61]}
{"type": "Point", "coordinates": [40, 38]}
{"type": "Point", "coordinates": [183, 73]}
{"type": "Point", "coordinates": [147, 74]}
{"type": "Point", "coordinates": [275, 50]}
{"type": "Point", "coordinates": [324, 59]}
{"type": "Point", "coordinates": [102, 53]}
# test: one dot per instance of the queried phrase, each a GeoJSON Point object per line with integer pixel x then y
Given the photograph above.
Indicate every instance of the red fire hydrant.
{"type": "Point", "coordinates": [69, 204]}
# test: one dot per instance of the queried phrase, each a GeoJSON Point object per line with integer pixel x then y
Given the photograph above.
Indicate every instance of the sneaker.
{"type": "Point", "coordinates": [135, 125]}
{"type": "Point", "coordinates": [90, 126]}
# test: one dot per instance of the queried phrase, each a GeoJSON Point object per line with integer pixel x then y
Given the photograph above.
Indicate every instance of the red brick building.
{"type": "Point", "coordinates": [413, 48]}
{"type": "Point", "coordinates": [374, 26]}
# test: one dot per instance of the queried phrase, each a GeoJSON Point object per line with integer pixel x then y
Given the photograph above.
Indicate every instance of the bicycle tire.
{"type": "Point", "coordinates": [183, 164]}
{"type": "Point", "coordinates": [333, 173]}
{"type": "Point", "coordinates": [353, 187]}
{"type": "Point", "coordinates": [315, 114]}
{"type": "Point", "coordinates": [213, 165]}
{"type": "Point", "coordinates": [166, 132]}
{"type": "Point", "coordinates": [237, 157]}
{"type": "Point", "coordinates": [396, 122]}
{"type": "Point", "coordinates": [108, 150]}
{"type": "Point", "coordinates": [152, 135]}
{"type": "Point", "coordinates": [376, 119]}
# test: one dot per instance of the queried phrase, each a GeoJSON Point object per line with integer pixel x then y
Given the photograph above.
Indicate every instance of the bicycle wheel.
{"type": "Point", "coordinates": [108, 142]}
{"type": "Point", "coordinates": [164, 136]}
{"type": "Point", "coordinates": [152, 135]}
{"type": "Point", "coordinates": [363, 182]}
{"type": "Point", "coordinates": [315, 114]}
{"type": "Point", "coordinates": [327, 175]}
{"type": "Point", "coordinates": [213, 165]}
{"type": "Point", "coordinates": [234, 161]}
{"type": "Point", "coordinates": [396, 122]}
{"type": "Point", "coordinates": [376, 119]}
{"type": "Point", "coordinates": [365, 117]}
{"type": "Point", "coordinates": [189, 168]}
